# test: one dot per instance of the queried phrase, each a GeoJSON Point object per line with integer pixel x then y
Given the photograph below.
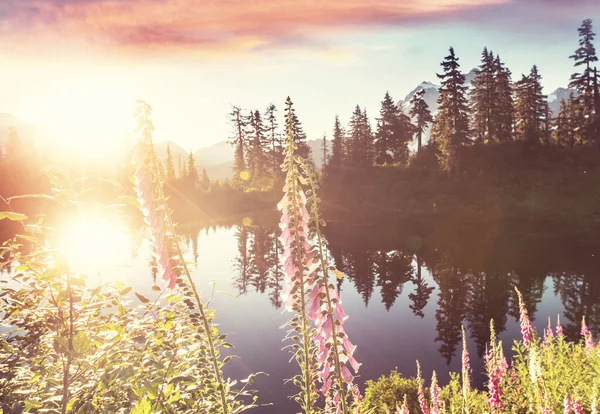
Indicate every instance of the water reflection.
{"type": "Point", "coordinates": [474, 277]}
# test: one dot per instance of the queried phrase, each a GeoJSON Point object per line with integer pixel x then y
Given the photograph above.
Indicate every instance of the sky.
{"type": "Point", "coordinates": [77, 66]}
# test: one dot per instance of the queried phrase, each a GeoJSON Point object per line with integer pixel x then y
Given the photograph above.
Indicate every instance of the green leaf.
{"type": "Point", "coordinates": [12, 216]}
{"type": "Point", "coordinates": [81, 343]}
{"type": "Point", "coordinates": [29, 404]}
{"type": "Point", "coordinates": [142, 298]}
{"type": "Point", "coordinates": [142, 407]}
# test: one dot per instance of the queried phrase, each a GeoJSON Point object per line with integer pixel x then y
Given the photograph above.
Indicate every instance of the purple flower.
{"type": "Point", "coordinates": [421, 393]}
{"type": "Point", "coordinates": [587, 336]}
{"type": "Point", "coordinates": [496, 367]}
{"type": "Point", "coordinates": [435, 395]}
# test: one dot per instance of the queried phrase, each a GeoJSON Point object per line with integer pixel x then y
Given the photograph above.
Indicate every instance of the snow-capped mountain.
{"type": "Point", "coordinates": [558, 95]}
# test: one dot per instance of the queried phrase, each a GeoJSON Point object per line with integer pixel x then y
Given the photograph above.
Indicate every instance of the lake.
{"type": "Point", "coordinates": [407, 289]}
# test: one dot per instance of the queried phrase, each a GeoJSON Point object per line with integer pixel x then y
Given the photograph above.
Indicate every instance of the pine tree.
{"type": "Point", "coordinates": [451, 126]}
{"type": "Point", "coordinates": [420, 114]}
{"type": "Point", "coordinates": [205, 182]}
{"type": "Point", "coordinates": [367, 139]}
{"type": "Point", "coordinates": [276, 151]}
{"type": "Point", "coordinates": [563, 130]}
{"type": "Point", "coordinates": [337, 145]}
{"type": "Point", "coordinates": [585, 55]}
{"type": "Point", "coordinates": [259, 142]}
{"type": "Point", "coordinates": [387, 124]}
{"type": "Point", "coordinates": [170, 167]}
{"type": "Point", "coordinates": [531, 108]}
{"type": "Point", "coordinates": [482, 99]}
{"type": "Point", "coordinates": [504, 107]}
{"type": "Point", "coordinates": [294, 126]}
{"type": "Point", "coordinates": [355, 137]}
{"type": "Point", "coordinates": [239, 139]}
{"type": "Point", "coordinates": [192, 171]}
{"type": "Point", "coordinates": [325, 152]}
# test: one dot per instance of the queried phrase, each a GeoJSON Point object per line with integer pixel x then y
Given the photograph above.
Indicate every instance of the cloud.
{"type": "Point", "coordinates": [171, 27]}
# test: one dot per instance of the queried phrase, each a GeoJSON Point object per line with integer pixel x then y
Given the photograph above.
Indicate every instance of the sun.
{"type": "Point", "coordinates": [93, 243]}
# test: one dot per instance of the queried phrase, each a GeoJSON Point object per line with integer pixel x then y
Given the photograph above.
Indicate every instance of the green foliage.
{"type": "Point", "coordinates": [383, 395]}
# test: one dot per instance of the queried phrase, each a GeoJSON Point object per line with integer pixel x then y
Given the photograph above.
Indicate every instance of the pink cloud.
{"type": "Point", "coordinates": [172, 26]}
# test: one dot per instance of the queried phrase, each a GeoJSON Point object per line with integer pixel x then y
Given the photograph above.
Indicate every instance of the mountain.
{"type": "Point", "coordinates": [558, 95]}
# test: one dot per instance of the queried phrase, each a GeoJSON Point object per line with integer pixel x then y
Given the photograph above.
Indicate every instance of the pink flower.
{"type": "Point", "coordinates": [466, 367]}
{"type": "Point", "coordinates": [576, 406]}
{"type": "Point", "coordinates": [496, 367]}
{"type": "Point", "coordinates": [567, 405]}
{"type": "Point", "coordinates": [403, 409]}
{"type": "Point", "coordinates": [548, 333]}
{"type": "Point", "coordinates": [435, 395]}
{"type": "Point", "coordinates": [559, 329]}
{"type": "Point", "coordinates": [526, 328]}
{"type": "Point", "coordinates": [421, 393]}
{"type": "Point", "coordinates": [587, 336]}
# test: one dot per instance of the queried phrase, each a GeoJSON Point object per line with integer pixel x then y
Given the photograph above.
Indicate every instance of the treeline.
{"type": "Point", "coordinates": [494, 110]}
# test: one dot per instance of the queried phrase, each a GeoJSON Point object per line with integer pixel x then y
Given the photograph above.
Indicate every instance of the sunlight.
{"type": "Point", "coordinates": [83, 118]}
{"type": "Point", "coordinates": [92, 243]}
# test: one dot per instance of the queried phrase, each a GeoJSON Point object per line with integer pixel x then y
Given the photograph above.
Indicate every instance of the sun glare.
{"type": "Point", "coordinates": [94, 243]}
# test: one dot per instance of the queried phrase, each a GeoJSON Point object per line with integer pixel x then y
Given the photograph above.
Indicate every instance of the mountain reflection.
{"type": "Point", "coordinates": [474, 276]}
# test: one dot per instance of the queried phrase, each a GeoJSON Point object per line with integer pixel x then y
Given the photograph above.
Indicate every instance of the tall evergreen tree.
{"type": "Point", "coordinates": [205, 182]}
{"type": "Point", "coordinates": [482, 99]}
{"type": "Point", "coordinates": [394, 131]}
{"type": "Point", "coordinates": [531, 108]}
{"type": "Point", "coordinates": [367, 138]}
{"type": "Point", "coordinates": [451, 126]}
{"type": "Point", "coordinates": [238, 140]}
{"type": "Point", "coordinates": [503, 108]}
{"type": "Point", "coordinates": [563, 130]}
{"type": "Point", "coordinates": [276, 151]}
{"type": "Point", "coordinates": [170, 167]}
{"type": "Point", "coordinates": [325, 152]}
{"type": "Point", "coordinates": [337, 145]}
{"type": "Point", "coordinates": [357, 151]}
{"type": "Point", "coordinates": [192, 171]}
{"type": "Point", "coordinates": [585, 56]}
{"type": "Point", "coordinates": [293, 126]}
{"type": "Point", "coordinates": [259, 143]}
{"type": "Point", "coordinates": [420, 114]}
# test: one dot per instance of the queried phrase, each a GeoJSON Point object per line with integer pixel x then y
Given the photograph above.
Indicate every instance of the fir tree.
{"type": "Point", "coordinates": [482, 99]}
{"type": "Point", "coordinates": [259, 142]}
{"type": "Point", "coordinates": [192, 171]}
{"type": "Point", "coordinates": [325, 152]}
{"type": "Point", "coordinates": [584, 56]}
{"type": "Point", "coordinates": [170, 167]}
{"type": "Point", "coordinates": [356, 131]}
{"type": "Point", "coordinates": [205, 182]}
{"type": "Point", "coordinates": [531, 108]}
{"type": "Point", "coordinates": [503, 107]}
{"type": "Point", "coordinates": [420, 114]}
{"type": "Point", "coordinates": [563, 130]}
{"type": "Point", "coordinates": [276, 152]}
{"type": "Point", "coordinates": [238, 122]}
{"type": "Point", "coordinates": [294, 126]}
{"type": "Point", "coordinates": [451, 126]}
{"type": "Point", "coordinates": [337, 145]}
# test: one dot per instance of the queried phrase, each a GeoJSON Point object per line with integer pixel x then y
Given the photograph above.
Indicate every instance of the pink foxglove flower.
{"type": "Point", "coordinates": [548, 333]}
{"type": "Point", "coordinates": [526, 328]}
{"type": "Point", "coordinates": [153, 217]}
{"type": "Point", "coordinates": [577, 407]}
{"type": "Point", "coordinates": [404, 408]}
{"type": "Point", "coordinates": [567, 404]}
{"type": "Point", "coordinates": [496, 367]}
{"type": "Point", "coordinates": [435, 395]}
{"type": "Point", "coordinates": [559, 329]}
{"type": "Point", "coordinates": [466, 368]}
{"type": "Point", "coordinates": [594, 404]}
{"type": "Point", "coordinates": [421, 392]}
{"type": "Point", "coordinates": [587, 336]}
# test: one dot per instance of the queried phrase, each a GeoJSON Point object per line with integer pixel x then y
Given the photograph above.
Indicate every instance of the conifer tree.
{"type": "Point", "coordinates": [239, 139]}
{"type": "Point", "coordinates": [259, 142]}
{"type": "Point", "coordinates": [394, 132]}
{"type": "Point", "coordinates": [585, 56]}
{"type": "Point", "coordinates": [192, 171]}
{"type": "Point", "coordinates": [420, 114]}
{"type": "Point", "coordinates": [205, 182]}
{"type": "Point", "coordinates": [451, 126]}
{"type": "Point", "coordinates": [367, 138]}
{"type": "Point", "coordinates": [356, 141]}
{"type": "Point", "coordinates": [325, 152]}
{"type": "Point", "coordinates": [294, 126]}
{"type": "Point", "coordinates": [337, 145]}
{"type": "Point", "coordinates": [503, 107]}
{"type": "Point", "coordinates": [531, 108]}
{"type": "Point", "coordinates": [563, 130]}
{"type": "Point", "coordinates": [482, 99]}
{"type": "Point", "coordinates": [170, 167]}
{"type": "Point", "coordinates": [276, 151]}
{"type": "Point", "coordinates": [181, 168]}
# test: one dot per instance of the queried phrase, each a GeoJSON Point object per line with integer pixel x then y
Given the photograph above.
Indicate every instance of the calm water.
{"type": "Point", "coordinates": [407, 289]}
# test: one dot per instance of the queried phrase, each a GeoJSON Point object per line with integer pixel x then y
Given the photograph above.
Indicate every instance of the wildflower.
{"type": "Point", "coordinates": [567, 403]}
{"type": "Point", "coordinates": [535, 369]}
{"type": "Point", "coordinates": [548, 333]}
{"type": "Point", "coordinates": [404, 408]}
{"type": "Point", "coordinates": [421, 393]}
{"type": "Point", "coordinates": [559, 329]}
{"type": "Point", "coordinates": [466, 367]}
{"type": "Point", "coordinates": [594, 404]}
{"type": "Point", "coordinates": [496, 367]}
{"type": "Point", "coordinates": [526, 328]}
{"type": "Point", "coordinates": [587, 336]}
{"type": "Point", "coordinates": [435, 395]}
